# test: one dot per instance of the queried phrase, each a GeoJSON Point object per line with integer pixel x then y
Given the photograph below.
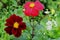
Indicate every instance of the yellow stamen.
{"type": "Point", "coordinates": [16, 25]}
{"type": "Point", "coordinates": [32, 5]}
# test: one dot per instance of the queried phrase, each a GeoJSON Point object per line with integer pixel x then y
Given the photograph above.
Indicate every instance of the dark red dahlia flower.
{"type": "Point", "coordinates": [15, 25]}
{"type": "Point", "coordinates": [33, 8]}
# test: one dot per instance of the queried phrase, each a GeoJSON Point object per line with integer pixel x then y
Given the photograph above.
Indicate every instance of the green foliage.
{"type": "Point", "coordinates": [1, 5]}
{"type": "Point", "coordinates": [41, 33]}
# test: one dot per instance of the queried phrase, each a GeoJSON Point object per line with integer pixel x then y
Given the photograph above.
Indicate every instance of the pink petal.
{"type": "Point", "coordinates": [39, 5]}
{"type": "Point", "coordinates": [28, 12]}
{"type": "Point", "coordinates": [26, 5]}
{"type": "Point", "coordinates": [31, 12]}
{"type": "Point", "coordinates": [34, 12]}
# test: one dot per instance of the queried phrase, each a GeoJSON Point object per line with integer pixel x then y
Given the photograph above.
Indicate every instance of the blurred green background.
{"type": "Point", "coordinates": [8, 7]}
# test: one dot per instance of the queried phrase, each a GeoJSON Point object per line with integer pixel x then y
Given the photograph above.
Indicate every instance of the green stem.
{"type": "Point", "coordinates": [32, 25]}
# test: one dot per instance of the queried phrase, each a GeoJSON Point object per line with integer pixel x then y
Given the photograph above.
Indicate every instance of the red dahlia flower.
{"type": "Point", "coordinates": [15, 25]}
{"type": "Point", "coordinates": [33, 8]}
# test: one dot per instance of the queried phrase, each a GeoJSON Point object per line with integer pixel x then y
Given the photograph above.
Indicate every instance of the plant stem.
{"type": "Point", "coordinates": [32, 24]}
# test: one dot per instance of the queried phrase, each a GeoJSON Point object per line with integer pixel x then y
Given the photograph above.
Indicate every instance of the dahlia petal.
{"type": "Point", "coordinates": [31, 12]}
{"type": "Point", "coordinates": [22, 25]}
{"type": "Point", "coordinates": [9, 25]}
{"type": "Point", "coordinates": [13, 17]}
{"type": "Point", "coordinates": [27, 5]}
{"type": "Point", "coordinates": [28, 12]}
{"type": "Point", "coordinates": [18, 19]}
{"type": "Point", "coordinates": [16, 32]}
{"type": "Point", "coordinates": [34, 12]}
{"type": "Point", "coordinates": [8, 30]}
{"type": "Point", "coordinates": [9, 21]}
{"type": "Point", "coordinates": [39, 5]}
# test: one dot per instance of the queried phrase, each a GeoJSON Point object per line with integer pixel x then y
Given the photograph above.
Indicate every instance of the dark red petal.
{"type": "Point", "coordinates": [22, 25]}
{"type": "Point", "coordinates": [9, 25]}
{"type": "Point", "coordinates": [8, 30]}
{"type": "Point", "coordinates": [18, 19]}
{"type": "Point", "coordinates": [9, 21]}
{"type": "Point", "coordinates": [16, 32]}
{"type": "Point", "coordinates": [13, 17]}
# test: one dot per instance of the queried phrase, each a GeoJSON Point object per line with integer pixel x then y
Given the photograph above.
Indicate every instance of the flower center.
{"type": "Point", "coordinates": [16, 25]}
{"type": "Point", "coordinates": [32, 5]}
